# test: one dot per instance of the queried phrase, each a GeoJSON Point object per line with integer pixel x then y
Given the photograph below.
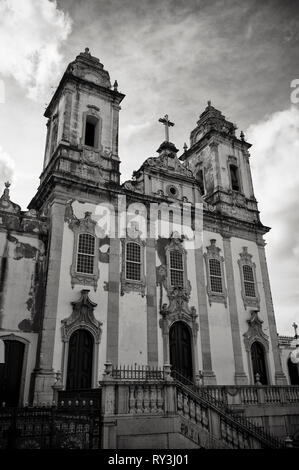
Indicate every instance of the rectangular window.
{"type": "Point", "coordinates": [133, 261]}
{"type": "Point", "coordinates": [85, 254]}
{"type": "Point", "coordinates": [176, 269]}
{"type": "Point", "coordinates": [234, 174]}
{"type": "Point", "coordinates": [215, 275]}
{"type": "Point", "coordinates": [249, 284]}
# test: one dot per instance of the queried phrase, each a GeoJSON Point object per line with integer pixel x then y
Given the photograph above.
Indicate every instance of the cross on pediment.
{"type": "Point", "coordinates": [167, 123]}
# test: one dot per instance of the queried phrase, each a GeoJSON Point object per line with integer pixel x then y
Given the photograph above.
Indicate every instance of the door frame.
{"type": "Point", "coordinates": [14, 337]}
{"type": "Point", "coordinates": [266, 354]}
{"type": "Point", "coordinates": [95, 357]}
{"type": "Point", "coordinates": [192, 345]}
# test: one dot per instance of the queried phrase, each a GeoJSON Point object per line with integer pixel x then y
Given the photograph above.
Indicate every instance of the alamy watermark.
{"type": "Point", "coordinates": [154, 220]}
{"type": "Point", "coordinates": [294, 97]}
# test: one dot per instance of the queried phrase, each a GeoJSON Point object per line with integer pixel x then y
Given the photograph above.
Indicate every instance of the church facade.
{"type": "Point", "coordinates": [76, 296]}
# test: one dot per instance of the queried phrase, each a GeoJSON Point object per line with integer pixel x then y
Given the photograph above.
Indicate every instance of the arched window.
{"type": "Point", "coordinates": [249, 283]}
{"type": "Point", "coordinates": [91, 131]}
{"type": "Point", "coordinates": [133, 261]}
{"type": "Point", "coordinates": [85, 253]}
{"type": "Point", "coordinates": [234, 176]}
{"type": "Point", "coordinates": [215, 275]}
{"type": "Point", "coordinates": [176, 268]}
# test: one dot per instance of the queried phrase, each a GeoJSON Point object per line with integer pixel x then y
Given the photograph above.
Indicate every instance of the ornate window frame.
{"type": "Point", "coordinates": [129, 285]}
{"type": "Point", "coordinates": [213, 252]}
{"type": "Point", "coordinates": [82, 317]}
{"type": "Point", "coordinates": [234, 162]}
{"type": "Point", "coordinates": [81, 226]}
{"type": "Point", "coordinates": [246, 259]}
{"type": "Point", "coordinates": [176, 244]}
{"type": "Point", "coordinates": [93, 112]}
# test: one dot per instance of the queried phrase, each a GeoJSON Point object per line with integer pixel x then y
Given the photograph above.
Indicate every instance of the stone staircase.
{"type": "Point", "coordinates": [160, 408]}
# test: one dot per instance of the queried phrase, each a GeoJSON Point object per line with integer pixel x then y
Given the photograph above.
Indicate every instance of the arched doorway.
{"type": "Point", "coordinates": [293, 370]}
{"type": "Point", "coordinates": [259, 362]}
{"type": "Point", "coordinates": [11, 372]}
{"type": "Point", "coordinates": [80, 360]}
{"type": "Point", "coordinates": [180, 349]}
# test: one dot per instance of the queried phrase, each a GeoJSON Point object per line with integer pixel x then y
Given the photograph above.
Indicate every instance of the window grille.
{"type": "Point", "coordinates": [85, 254]}
{"type": "Point", "coordinates": [133, 261]}
{"type": "Point", "coordinates": [215, 275]}
{"type": "Point", "coordinates": [176, 269]}
{"type": "Point", "coordinates": [249, 284]}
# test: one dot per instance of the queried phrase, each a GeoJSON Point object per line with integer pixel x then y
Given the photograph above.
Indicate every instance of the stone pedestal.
{"type": "Point", "coordinates": [43, 390]}
{"type": "Point", "coordinates": [208, 377]}
{"type": "Point", "coordinates": [241, 378]}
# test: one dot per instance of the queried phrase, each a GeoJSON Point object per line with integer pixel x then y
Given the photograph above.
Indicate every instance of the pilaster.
{"type": "Point", "coordinates": [44, 373]}
{"type": "Point", "coordinates": [240, 376]}
{"type": "Point", "coordinates": [280, 378]}
{"type": "Point", "coordinates": [151, 304]}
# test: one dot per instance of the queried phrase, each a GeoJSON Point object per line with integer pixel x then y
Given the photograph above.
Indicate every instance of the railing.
{"type": "Point", "coordinates": [137, 373]}
{"type": "Point", "coordinates": [228, 417]}
{"type": "Point", "coordinates": [67, 426]}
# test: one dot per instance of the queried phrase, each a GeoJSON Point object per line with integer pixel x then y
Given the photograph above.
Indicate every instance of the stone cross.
{"type": "Point", "coordinates": [167, 125]}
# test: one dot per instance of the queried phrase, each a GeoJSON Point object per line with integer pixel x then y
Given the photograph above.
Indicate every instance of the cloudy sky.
{"type": "Point", "coordinates": [169, 56]}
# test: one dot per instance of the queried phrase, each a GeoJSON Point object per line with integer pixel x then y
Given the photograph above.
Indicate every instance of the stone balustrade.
{"type": "Point", "coordinates": [255, 394]}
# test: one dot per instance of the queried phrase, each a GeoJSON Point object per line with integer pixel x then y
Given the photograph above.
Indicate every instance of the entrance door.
{"type": "Point", "coordinates": [259, 362]}
{"type": "Point", "coordinates": [293, 372]}
{"type": "Point", "coordinates": [80, 359]}
{"type": "Point", "coordinates": [180, 349]}
{"type": "Point", "coordinates": [11, 372]}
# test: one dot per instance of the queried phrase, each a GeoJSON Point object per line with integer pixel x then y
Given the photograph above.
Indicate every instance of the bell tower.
{"type": "Point", "coordinates": [220, 161]}
{"type": "Point", "coordinates": [82, 129]}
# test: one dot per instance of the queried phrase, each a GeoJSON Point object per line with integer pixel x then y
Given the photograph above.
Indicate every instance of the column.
{"type": "Point", "coordinates": [44, 373]}
{"type": "Point", "coordinates": [280, 378]}
{"type": "Point", "coordinates": [151, 303]}
{"type": "Point", "coordinates": [113, 299]}
{"type": "Point", "coordinates": [66, 130]}
{"type": "Point", "coordinates": [209, 377]}
{"type": "Point", "coordinates": [240, 376]}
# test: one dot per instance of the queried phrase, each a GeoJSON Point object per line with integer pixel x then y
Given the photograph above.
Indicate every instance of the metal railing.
{"type": "Point", "coordinates": [63, 426]}
{"type": "Point", "coordinates": [137, 373]}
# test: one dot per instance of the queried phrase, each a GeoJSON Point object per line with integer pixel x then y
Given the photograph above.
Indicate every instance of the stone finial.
{"type": "Point", "coordinates": [5, 194]}
{"type": "Point", "coordinates": [209, 103]}
{"type": "Point", "coordinates": [185, 147]}
{"type": "Point", "coordinates": [115, 85]}
{"type": "Point", "coordinates": [87, 51]}
{"type": "Point", "coordinates": [257, 379]}
{"type": "Point", "coordinates": [242, 136]}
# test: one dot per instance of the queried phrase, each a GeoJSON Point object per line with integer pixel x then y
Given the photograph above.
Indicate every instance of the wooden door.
{"type": "Point", "coordinates": [180, 349]}
{"type": "Point", "coordinates": [11, 372]}
{"type": "Point", "coordinates": [80, 360]}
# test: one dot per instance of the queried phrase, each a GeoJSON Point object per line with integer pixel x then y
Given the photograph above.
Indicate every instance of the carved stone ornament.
{"type": "Point", "coordinates": [213, 252]}
{"type": "Point", "coordinates": [255, 332]}
{"type": "Point", "coordinates": [82, 317]}
{"type": "Point", "coordinates": [178, 309]}
{"type": "Point", "coordinates": [6, 204]}
{"type": "Point", "coordinates": [178, 296]}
